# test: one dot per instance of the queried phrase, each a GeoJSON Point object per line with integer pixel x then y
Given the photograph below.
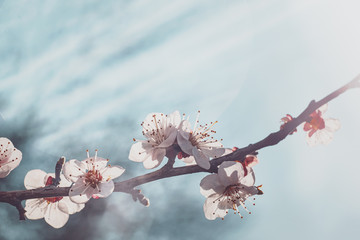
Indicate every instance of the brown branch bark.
{"type": "Point", "coordinates": [15, 197]}
{"type": "Point", "coordinates": [272, 139]}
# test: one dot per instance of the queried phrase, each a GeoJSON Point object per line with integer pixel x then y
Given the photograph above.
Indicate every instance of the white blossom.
{"type": "Point", "coordinates": [55, 210]}
{"type": "Point", "coordinates": [160, 131]}
{"type": "Point", "coordinates": [92, 177]}
{"type": "Point", "coordinates": [10, 157]}
{"type": "Point", "coordinates": [320, 129]}
{"type": "Point", "coordinates": [229, 188]}
{"type": "Point", "coordinates": [198, 144]}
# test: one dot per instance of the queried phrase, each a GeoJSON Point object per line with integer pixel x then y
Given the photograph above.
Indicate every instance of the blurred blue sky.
{"type": "Point", "coordinates": [77, 75]}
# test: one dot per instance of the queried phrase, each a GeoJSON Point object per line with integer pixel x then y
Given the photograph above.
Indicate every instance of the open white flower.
{"type": "Point", "coordinates": [229, 188]}
{"type": "Point", "coordinates": [197, 144]}
{"type": "Point", "coordinates": [320, 130]}
{"type": "Point", "coordinates": [160, 131]}
{"type": "Point", "coordinates": [10, 157]}
{"type": "Point", "coordinates": [92, 177]}
{"type": "Point", "coordinates": [55, 210]}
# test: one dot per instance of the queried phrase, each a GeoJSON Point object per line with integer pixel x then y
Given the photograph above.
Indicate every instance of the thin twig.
{"type": "Point", "coordinates": [58, 168]}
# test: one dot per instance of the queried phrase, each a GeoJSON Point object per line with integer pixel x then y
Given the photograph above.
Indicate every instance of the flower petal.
{"type": "Point", "coordinates": [105, 189]}
{"type": "Point", "coordinates": [149, 163]}
{"type": "Point", "coordinates": [211, 208]}
{"type": "Point", "coordinates": [138, 153]}
{"type": "Point", "coordinates": [71, 206]}
{"type": "Point", "coordinates": [213, 152]}
{"type": "Point", "coordinates": [251, 160]}
{"type": "Point", "coordinates": [230, 173]}
{"type": "Point", "coordinates": [4, 171]}
{"type": "Point", "coordinates": [98, 162]}
{"type": "Point", "coordinates": [112, 172]}
{"type": "Point", "coordinates": [35, 208]}
{"type": "Point", "coordinates": [174, 119]}
{"type": "Point", "coordinates": [73, 169]}
{"type": "Point", "coordinates": [320, 137]}
{"type": "Point", "coordinates": [80, 192]}
{"type": "Point", "coordinates": [323, 108]}
{"type": "Point", "coordinates": [55, 217]}
{"type": "Point", "coordinates": [210, 185]}
{"type": "Point", "coordinates": [170, 139]}
{"type": "Point", "coordinates": [63, 206]}
{"type": "Point", "coordinates": [189, 160]}
{"type": "Point", "coordinates": [213, 144]}
{"type": "Point", "coordinates": [332, 124]}
{"type": "Point", "coordinates": [185, 144]}
{"type": "Point", "coordinates": [5, 142]}
{"type": "Point", "coordinates": [6, 149]}
{"type": "Point", "coordinates": [12, 161]}
{"type": "Point", "coordinates": [64, 182]}
{"type": "Point", "coordinates": [249, 179]}
{"type": "Point", "coordinates": [185, 129]}
{"type": "Point", "coordinates": [201, 159]}
{"type": "Point", "coordinates": [35, 179]}
{"type": "Point", "coordinates": [158, 154]}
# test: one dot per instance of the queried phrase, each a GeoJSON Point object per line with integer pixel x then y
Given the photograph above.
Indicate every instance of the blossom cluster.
{"type": "Point", "coordinates": [89, 178]}
{"type": "Point", "coordinates": [229, 187]}
{"type": "Point", "coordinates": [196, 145]}
{"type": "Point", "coordinates": [55, 210]}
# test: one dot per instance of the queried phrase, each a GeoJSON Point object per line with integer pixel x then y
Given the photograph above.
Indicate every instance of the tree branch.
{"type": "Point", "coordinates": [15, 197]}
{"type": "Point", "coordinates": [240, 154]}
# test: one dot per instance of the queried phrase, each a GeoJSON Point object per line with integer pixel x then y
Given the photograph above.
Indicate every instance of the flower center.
{"type": "Point", "coordinates": [199, 134]}
{"type": "Point", "coordinates": [232, 197]}
{"type": "Point", "coordinates": [49, 182]}
{"type": "Point", "coordinates": [317, 122]}
{"type": "Point", "coordinates": [93, 177]}
{"type": "Point", "coordinates": [233, 192]}
{"type": "Point", "coordinates": [155, 133]}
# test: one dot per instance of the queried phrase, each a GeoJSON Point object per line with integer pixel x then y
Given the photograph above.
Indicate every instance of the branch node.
{"type": "Point", "coordinates": [171, 153]}
{"type": "Point", "coordinates": [311, 104]}
{"type": "Point", "coordinates": [17, 203]}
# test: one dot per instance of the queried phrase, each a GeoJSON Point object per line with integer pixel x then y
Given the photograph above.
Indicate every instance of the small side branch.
{"type": "Point", "coordinates": [17, 203]}
{"type": "Point", "coordinates": [19, 207]}
{"type": "Point", "coordinates": [58, 168]}
{"type": "Point", "coordinates": [138, 196]}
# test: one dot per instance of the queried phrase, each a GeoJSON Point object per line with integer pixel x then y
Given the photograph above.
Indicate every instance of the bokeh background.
{"type": "Point", "coordinates": [77, 75]}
